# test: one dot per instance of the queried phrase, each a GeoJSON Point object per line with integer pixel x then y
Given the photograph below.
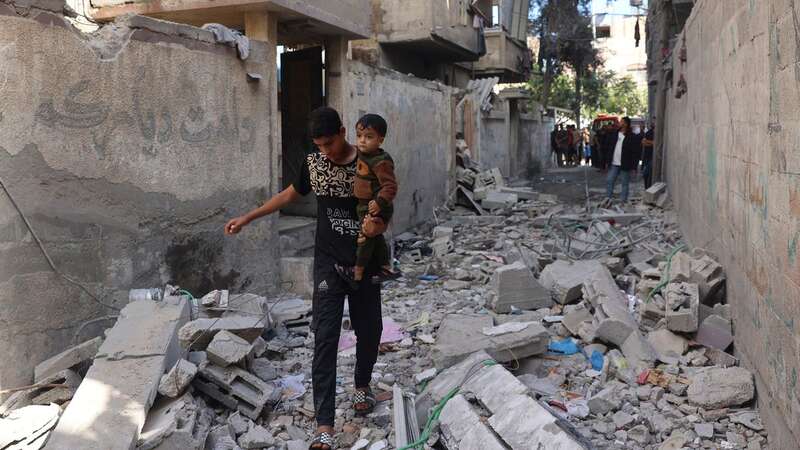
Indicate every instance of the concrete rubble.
{"type": "Point", "coordinates": [561, 327]}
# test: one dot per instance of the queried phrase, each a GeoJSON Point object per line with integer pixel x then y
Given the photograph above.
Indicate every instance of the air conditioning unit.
{"type": "Point", "coordinates": [636, 3]}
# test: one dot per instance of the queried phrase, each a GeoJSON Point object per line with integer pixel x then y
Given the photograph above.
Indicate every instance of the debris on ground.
{"type": "Point", "coordinates": [519, 322]}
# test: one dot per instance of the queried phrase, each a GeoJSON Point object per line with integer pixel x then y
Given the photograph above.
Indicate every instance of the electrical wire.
{"type": "Point", "coordinates": [46, 255]}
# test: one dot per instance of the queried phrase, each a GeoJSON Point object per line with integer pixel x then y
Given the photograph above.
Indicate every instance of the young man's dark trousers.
{"type": "Point", "coordinates": [365, 315]}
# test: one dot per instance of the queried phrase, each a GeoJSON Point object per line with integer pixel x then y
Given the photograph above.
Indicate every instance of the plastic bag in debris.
{"type": "Point", "coordinates": [565, 347]}
{"type": "Point", "coordinates": [292, 386]}
{"type": "Point", "coordinates": [578, 407]}
{"type": "Point", "coordinates": [597, 360]}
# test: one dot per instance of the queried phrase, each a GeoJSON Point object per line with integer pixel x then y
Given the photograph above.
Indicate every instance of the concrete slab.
{"type": "Point", "coordinates": [461, 335]}
{"type": "Point", "coordinates": [67, 359]}
{"type": "Point", "coordinates": [515, 285]}
{"type": "Point", "coordinates": [110, 407]}
{"type": "Point", "coordinates": [716, 388]}
{"type": "Point", "coordinates": [565, 279]}
{"type": "Point", "coordinates": [651, 195]}
{"type": "Point", "coordinates": [715, 332]}
{"type": "Point", "coordinates": [199, 333]}
{"type": "Point", "coordinates": [462, 428]}
{"type": "Point", "coordinates": [499, 200]}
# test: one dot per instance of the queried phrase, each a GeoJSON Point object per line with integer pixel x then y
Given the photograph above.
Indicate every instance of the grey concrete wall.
{"type": "Point", "coordinates": [535, 141]}
{"type": "Point", "coordinates": [532, 151]}
{"type": "Point", "coordinates": [734, 173]}
{"type": "Point", "coordinates": [420, 136]}
{"type": "Point", "coordinates": [127, 154]}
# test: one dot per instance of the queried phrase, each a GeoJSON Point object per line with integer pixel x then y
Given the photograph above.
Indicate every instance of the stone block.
{"type": "Point", "coordinates": [680, 269]}
{"type": "Point", "coordinates": [480, 193]}
{"type": "Point", "coordinates": [651, 195]}
{"type": "Point", "coordinates": [574, 319]}
{"type": "Point", "coordinates": [515, 285]}
{"type": "Point", "coordinates": [461, 335]}
{"type": "Point", "coordinates": [565, 279]}
{"type": "Point", "coordinates": [227, 348]}
{"type": "Point", "coordinates": [442, 231]}
{"type": "Point", "coordinates": [299, 274]}
{"type": "Point", "coordinates": [249, 392]}
{"type": "Point", "coordinates": [67, 359]}
{"type": "Point", "coordinates": [682, 307]}
{"type": "Point", "coordinates": [442, 246]}
{"type": "Point", "coordinates": [70, 381]}
{"type": "Point", "coordinates": [499, 200]}
{"type": "Point", "coordinates": [264, 369]}
{"type": "Point", "coordinates": [668, 344]}
{"type": "Point", "coordinates": [125, 375]}
{"type": "Point", "coordinates": [177, 379]}
{"type": "Point", "coordinates": [605, 401]}
{"type": "Point", "coordinates": [638, 351]}
{"type": "Point", "coordinates": [522, 194]}
{"type": "Point", "coordinates": [715, 332]}
{"type": "Point", "coordinates": [717, 388]}
{"type": "Point", "coordinates": [462, 427]}
{"type": "Point", "coordinates": [199, 333]}
{"type": "Point", "coordinates": [256, 437]}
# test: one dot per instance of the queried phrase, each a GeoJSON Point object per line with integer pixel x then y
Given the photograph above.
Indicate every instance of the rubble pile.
{"type": "Point", "coordinates": [522, 323]}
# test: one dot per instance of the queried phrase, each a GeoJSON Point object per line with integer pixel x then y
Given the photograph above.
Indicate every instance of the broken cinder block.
{"type": "Point", "coordinates": [67, 359]}
{"type": "Point", "coordinates": [174, 382]}
{"type": "Point", "coordinates": [565, 279]}
{"type": "Point", "coordinates": [199, 333]}
{"type": "Point", "coordinates": [682, 308]}
{"type": "Point", "coordinates": [236, 389]}
{"type": "Point", "coordinates": [515, 285]}
{"type": "Point", "coordinates": [227, 349]}
{"type": "Point", "coordinates": [651, 195]}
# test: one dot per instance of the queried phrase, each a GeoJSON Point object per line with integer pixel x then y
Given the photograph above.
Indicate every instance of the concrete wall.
{"type": "Point", "coordinates": [532, 151]}
{"type": "Point", "coordinates": [420, 136]}
{"type": "Point", "coordinates": [127, 153]}
{"type": "Point", "coordinates": [734, 173]}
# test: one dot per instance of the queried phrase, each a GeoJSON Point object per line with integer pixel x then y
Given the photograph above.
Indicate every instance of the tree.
{"type": "Point", "coordinates": [604, 92]}
{"type": "Point", "coordinates": [565, 41]}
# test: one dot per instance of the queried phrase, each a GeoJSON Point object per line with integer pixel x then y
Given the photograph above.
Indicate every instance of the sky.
{"type": "Point", "coordinates": [615, 7]}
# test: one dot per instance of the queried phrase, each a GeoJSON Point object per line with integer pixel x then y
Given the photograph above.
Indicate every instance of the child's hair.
{"type": "Point", "coordinates": [324, 122]}
{"type": "Point", "coordinates": [373, 121]}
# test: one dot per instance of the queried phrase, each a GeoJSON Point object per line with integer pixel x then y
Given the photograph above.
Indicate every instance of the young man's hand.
{"type": "Point", "coordinates": [235, 225]}
{"type": "Point", "coordinates": [374, 207]}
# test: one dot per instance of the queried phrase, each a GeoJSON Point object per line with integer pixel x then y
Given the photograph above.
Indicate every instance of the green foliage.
{"type": "Point", "coordinates": [604, 92]}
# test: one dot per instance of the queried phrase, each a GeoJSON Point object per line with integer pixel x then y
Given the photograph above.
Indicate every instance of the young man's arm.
{"type": "Point", "coordinates": [277, 202]}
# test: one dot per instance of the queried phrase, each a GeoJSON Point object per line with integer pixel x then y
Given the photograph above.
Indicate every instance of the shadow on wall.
{"type": "Point", "coordinates": [194, 263]}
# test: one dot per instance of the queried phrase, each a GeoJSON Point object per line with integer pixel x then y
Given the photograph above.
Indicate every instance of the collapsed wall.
{"type": "Point", "coordinates": [126, 150]}
{"type": "Point", "coordinates": [732, 166]}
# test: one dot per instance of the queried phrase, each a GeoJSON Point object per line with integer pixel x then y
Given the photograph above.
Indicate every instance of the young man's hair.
{"type": "Point", "coordinates": [373, 121]}
{"type": "Point", "coordinates": [459, 135]}
{"type": "Point", "coordinates": [324, 122]}
{"type": "Point", "coordinates": [627, 121]}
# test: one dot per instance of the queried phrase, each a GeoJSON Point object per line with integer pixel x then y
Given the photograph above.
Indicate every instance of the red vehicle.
{"type": "Point", "coordinates": [603, 121]}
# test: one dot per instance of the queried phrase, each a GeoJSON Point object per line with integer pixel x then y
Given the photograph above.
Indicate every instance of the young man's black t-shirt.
{"type": "Point", "coordinates": [337, 222]}
{"type": "Point", "coordinates": [647, 150]}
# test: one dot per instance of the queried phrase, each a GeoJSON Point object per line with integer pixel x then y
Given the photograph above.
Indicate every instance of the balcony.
{"type": "Point", "coordinates": [505, 57]}
{"type": "Point", "coordinates": [440, 29]}
{"type": "Point", "coordinates": [299, 20]}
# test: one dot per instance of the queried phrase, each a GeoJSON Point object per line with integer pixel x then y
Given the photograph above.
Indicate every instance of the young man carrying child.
{"type": "Point", "coordinates": [375, 187]}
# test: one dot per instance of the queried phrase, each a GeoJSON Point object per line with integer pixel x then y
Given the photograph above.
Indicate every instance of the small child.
{"type": "Point", "coordinates": [375, 187]}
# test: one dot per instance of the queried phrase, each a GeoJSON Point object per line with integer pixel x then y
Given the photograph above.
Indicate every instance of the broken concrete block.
{"type": "Point", "coordinates": [442, 246]}
{"type": "Point", "coordinates": [614, 264]}
{"type": "Point", "coordinates": [264, 369]}
{"type": "Point", "coordinates": [256, 437]}
{"type": "Point", "coordinates": [499, 200]}
{"type": "Point", "coordinates": [222, 438]}
{"type": "Point", "coordinates": [521, 193]}
{"type": "Point", "coordinates": [717, 388]}
{"type": "Point", "coordinates": [613, 321]}
{"type": "Point", "coordinates": [575, 318]}
{"type": "Point", "coordinates": [67, 359]}
{"type": "Point", "coordinates": [480, 193]}
{"type": "Point", "coordinates": [715, 332]}
{"type": "Point", "coordinates": [680, 269]}
{"type": "Point", "coordinates": [652, 194]}
{"type": "Point", "coordinates": [638, 351]}
{"type": "Point", "coordinates": [565, 279]}
{"type": "Point", "coordinates": [668, 344]}
{"type": "Point", "coordinates": [226, 349]}
{"type": "Point", "coordinates": [461, 335]}
{"type": "Point", "coordinates": [216, 298]}
{"type": "Point", "coordinates": [245, 391]}
{"type": "Point", "coordinates": [709, 276]}
{"type": "Point", "coordinates": [605, 401]}
{"type": "Point", "coordinates": [441, 231]}
{"type": "Point", "coordinates": [682, 308]}
{"type": "Point", "coordinates": [199, 333]}
{"type": "Point", "coordinates": [177, 379]}
{"type": "Point", "coordinates": [174, 424]}
{"type": "Point", "coordinates": [516, 418]}
{"type": "Point", "coordinates": [461, 427]}
{"type": "Point", "coordinates": [515, 285]}
{"type": "Point", "coordinates": [28, 427]}
{"type": "Point", "coordinates": [125, 374]}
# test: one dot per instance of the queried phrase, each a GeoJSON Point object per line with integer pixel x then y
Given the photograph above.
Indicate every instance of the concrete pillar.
{"type": "Point", "coordinates": [336, 50]}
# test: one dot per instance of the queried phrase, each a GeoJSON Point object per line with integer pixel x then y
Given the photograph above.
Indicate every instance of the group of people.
{"type": "Point", "coordinates": [619, 149]}
{"type": "Point", "coordinates": [569, 145]}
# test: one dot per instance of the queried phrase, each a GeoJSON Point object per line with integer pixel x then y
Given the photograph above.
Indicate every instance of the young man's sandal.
{"type": "Point", "coordinates": [364, 397]}
{"type": "Point", "coordinates": [322, 441]}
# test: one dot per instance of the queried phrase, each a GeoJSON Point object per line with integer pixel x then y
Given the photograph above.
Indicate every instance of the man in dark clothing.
{"type": "Point", "coordinates": [554, 144]}
{"type": "Point", "coordinates": [624, 159]}
{"type": "Point", "coordinates": [330, 174]}
{"type": "Point", "coordinates": [647, 156]}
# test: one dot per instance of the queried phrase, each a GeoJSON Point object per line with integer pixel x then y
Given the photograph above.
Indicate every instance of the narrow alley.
{"type": "Point", "coordinates": [399, 224]}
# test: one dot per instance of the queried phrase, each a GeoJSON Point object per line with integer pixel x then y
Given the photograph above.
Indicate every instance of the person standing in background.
{"type": "Point", "coordinates": [647, 155]}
